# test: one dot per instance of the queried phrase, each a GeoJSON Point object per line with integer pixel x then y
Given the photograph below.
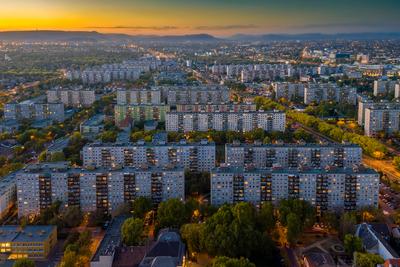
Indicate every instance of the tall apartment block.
{"type": "Point", "coordinates": [138, 96]}
{"type": "Point", "coordinates": [130, 114]}
{"type": "Point", "coordinates": [292, 155]}
{"type": "Point", "coordinates": [127, 70]}
{"type": "Point", "coordinates": [385, 119]}
{"type": "Point", "coordinates": [40, 185]}
{"type": "Point", "coordinates": [341, 188]}
{"type": "Point", "coordinates": [317, 92]}
{"type": "Point", "coordinates": [192, 156]}
{"type": "Point", "coordinates": [203, 94]}
{"type": "Point", "coordinates": [289, 91]}
{"type": "Point", "coordinates": [234, 107]}
{"type": "Point", "coordinates": [385, 87]}
{"type": "Point", "coordinates": [34, 109]}
{"type": "Point", "coordinates": [72, 97]}
{"type": "Point", "coordinates": [225, 121]}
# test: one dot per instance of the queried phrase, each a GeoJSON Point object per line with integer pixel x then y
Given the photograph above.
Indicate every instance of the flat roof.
{"type": "Point", "coordinates": [111, 240]}
{"type": "Point", "coordinates": [30, 233]}
{"type": "Point", "coordinates": [141, 143]}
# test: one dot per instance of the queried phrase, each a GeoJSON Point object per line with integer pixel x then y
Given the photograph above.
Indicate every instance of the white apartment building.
{"type": "Point", "coordinates": [192, 156]}
{"type": "Point", "coordinates": [34, 109]}
{"type": "Point", "coordinates": [225, 107]}
{"type": "Point", "coordinates": [292, 155]}
{"type": "Point", "coordinates": [8, 193]}
{"type": "Point", "coordinates": [342, 188]}
{"type": "Point", "coordinates": [380, 118]}
{"type": "Point", "coordinates": [202, 94]}
{"type": "Point", "coordinates": [72, 97]}
{"type": "Point", "coordinates": [289, 91]}
{"type": "Point", "coordinates": [138, 96]}
{"type": "Point", "coordinates": [384, 87]}
{"type": "Point", "coordinates": [317, 92]}
{"type": "Point", "coordinates": [39, 185]}
{"type": "Point", "coordinates": [225, 121]}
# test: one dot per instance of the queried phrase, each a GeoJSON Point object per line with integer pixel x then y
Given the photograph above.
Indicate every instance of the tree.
{"type": "Point", "coordinates": [347, 222]}
{"type": "Point", "coordinates": [72, 216]}
{"type": "Point", "coordinates": [367, 260]}
{"type": "Point", "coordinates": [108, 136]}
{"type": "Point", "coordinates": [294, 228]}
{"type": "Point", "coordinates": [266, 218]}
{"type": "Point", "coordinates": [231, 262]}
{"type": "Point", "coordinates": [57, 156]}
{"type": "Point", "coordinates": [172, 213]}
{"type": "Point", "coordinates": [192, 235]}
{"type": "Point", "coordinates": [141, 206]}
{"type": "Point", "coordinates": [132, 230]}
{"type": "Point", "coordinates": [352, 244]}
{"type": "Point", "coordinates": [302, 209]}
{"type": "Point", "coordinates": [24, 263]}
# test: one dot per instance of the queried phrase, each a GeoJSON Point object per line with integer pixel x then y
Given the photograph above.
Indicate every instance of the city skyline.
{"type": "Point", "coordinates": [219, 18]}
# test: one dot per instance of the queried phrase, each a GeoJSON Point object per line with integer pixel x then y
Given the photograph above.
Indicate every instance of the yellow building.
{"type": "Point", "coordinates": [32, 241]}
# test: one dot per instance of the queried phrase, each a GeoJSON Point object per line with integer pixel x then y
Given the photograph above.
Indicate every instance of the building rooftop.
{"type": "Point", "coordinates": [183, 142]}
{"type": "Point", "coordinates": [111, 240]}
{"type": "Point", "coordinates": [58, 145]}
{"type": "Point", "coordinates": [30, 233]}
{"type": "Point", "coordinates": [94, 120]}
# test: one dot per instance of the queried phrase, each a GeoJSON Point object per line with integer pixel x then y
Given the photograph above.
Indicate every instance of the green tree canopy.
{"type": "Point", "coordinates": [140, 206]}
{"type": "Point", "coordinates": [172, 213]}
{"type": "Point", "coordinates": [24, 263]}
{"type": "Point", "coordinates": [231, 262]}
{"type": "Point", "coordinates": [367, 260]}
{"type": "Point", "coordinates": [132, 230]}
{"type": "Point", "coordinates": [352, 244]}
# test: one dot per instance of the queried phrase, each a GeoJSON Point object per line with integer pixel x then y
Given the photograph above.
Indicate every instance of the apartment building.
{"type": "Point", "coordinates": [8, 193]}
{"type": "Point", "coordinates": [225, 121]}
{"type": "Point", "coordinates": [341, 188]}
{"type": "Point", "coordinates": [198, 156]}
{"type": "Point", "coordinates": [381, 119]}
{"type": "Point", "coordinates": [130, 114]}
{"type": "Point", "coordinates": [92, 127]}
{"type": "Point", "coordinates": [292, 155]}
{"type": "Point", "coordinates": [32, 241]}
{"type": "Point", "coordinates": [317, 92]}
{"type": "Point", "coordinates": [104, 189]}
{"type": "Point", "coordinates": [385, 87]}
{"type": "Point", "coordinates": [202, 94]}
{"type": "Point", "coordinates": [234, 107]}
{"type": "Point", "coordinates": [289, 91]}
{"type": "Point", "coordinates": [139, 96]}
{"type": "Point", "coordinates": [34, 109]}
{"type": "Point", "coordinates": [127, 70]}
{"type": "Point", "coordinates": [72, 97]}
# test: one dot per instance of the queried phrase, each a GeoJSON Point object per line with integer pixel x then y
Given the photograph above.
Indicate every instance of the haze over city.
{"type": "Point", "coordinates": [220, 17]}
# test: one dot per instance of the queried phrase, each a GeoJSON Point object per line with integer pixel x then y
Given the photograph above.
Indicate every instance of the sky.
{"type": "Point", "coordinates": [216, 17]}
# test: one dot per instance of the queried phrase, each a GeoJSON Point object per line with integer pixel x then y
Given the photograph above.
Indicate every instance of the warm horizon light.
{"type": "Point", "coordinates": [221, 18]}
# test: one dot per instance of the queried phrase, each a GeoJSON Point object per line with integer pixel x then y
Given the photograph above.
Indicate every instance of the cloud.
{"type": "Point", "coordinates": [226, 27]}
{"type": "Point", "coordinates": [154, 28]}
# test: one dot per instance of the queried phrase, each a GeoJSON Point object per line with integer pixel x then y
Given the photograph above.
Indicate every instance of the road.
{"type": "Point", "coordinates": [385, 166]}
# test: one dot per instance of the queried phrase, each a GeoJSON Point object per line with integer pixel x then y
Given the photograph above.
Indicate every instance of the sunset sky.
{"type": "Point", "coordinates": [218, 17]}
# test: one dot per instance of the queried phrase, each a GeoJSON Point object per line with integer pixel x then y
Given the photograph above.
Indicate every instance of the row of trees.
{"type": "Point", "coordinates": [370, 146]}
{"type": "Point", "coordinates": [241, 230]}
